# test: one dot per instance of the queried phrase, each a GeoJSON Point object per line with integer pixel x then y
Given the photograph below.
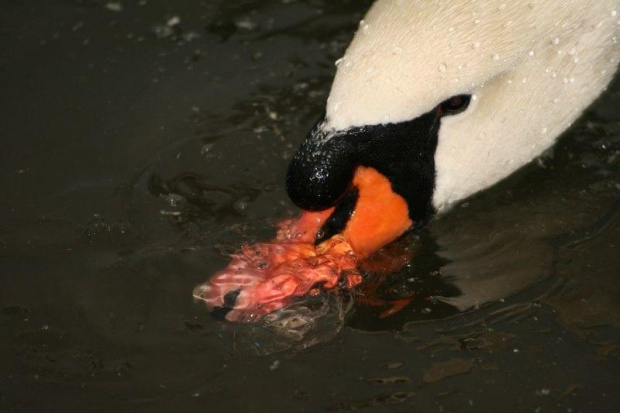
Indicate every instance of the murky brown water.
{"type": "Point", "coordinates": [136, 156]}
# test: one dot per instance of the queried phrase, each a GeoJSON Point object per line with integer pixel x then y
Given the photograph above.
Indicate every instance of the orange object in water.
{"type": "Point", "coordinates": [265, 277]}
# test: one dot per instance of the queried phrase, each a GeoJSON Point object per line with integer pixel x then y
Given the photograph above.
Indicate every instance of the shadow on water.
{"type": "Point", "coordinates": [167, 153]}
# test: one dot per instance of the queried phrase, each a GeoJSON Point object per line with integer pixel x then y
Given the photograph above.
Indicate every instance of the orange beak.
{"type": "Point", "coordinates": [379, 216]}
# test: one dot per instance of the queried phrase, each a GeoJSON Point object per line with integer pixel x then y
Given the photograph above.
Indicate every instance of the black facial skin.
{"type": "Point", "coordinates": [320, 174]}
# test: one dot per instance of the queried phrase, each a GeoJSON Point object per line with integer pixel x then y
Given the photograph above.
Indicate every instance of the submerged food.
{"type": "Point", "coordinates": [317, 251]}
{"type": "Point", "coordinates": [265, 277]}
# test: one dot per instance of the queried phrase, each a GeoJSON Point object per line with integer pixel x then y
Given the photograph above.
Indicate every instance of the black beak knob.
{"type": "Point", "coordinates": [321, 171]}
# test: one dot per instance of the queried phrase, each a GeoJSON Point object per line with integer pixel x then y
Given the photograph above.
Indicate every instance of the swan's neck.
{"type": "Point", "coordinates": [522, 111]}
{"type": "Point", "coordinates": [532, 65]}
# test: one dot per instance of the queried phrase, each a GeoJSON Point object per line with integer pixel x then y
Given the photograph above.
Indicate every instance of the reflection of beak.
{"type": "Point", "coordinates": [370, 216]}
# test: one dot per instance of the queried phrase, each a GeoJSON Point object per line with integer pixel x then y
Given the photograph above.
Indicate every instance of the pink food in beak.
{"type": "Point", "coordinates": [266, 277]}
{"type": "Point", "coordinates": [263, 278]}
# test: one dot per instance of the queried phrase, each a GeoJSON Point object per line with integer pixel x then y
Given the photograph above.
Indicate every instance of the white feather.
{"type": "Point", "coordinates": [532, 65]}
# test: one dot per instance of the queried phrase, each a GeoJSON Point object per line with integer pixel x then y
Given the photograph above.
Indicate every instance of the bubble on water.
{"type": "Point", "coordinates": [477, 21]}
{"type": "Point", "coordinates": [240, 206]}
{"type": "Point", "coordinates": [475, 45]}
{"type": "Point", "coordinates": [337, 62]}
{"type": "Point", "coordinates": [246, 24]}
{"type": "Point", "coordinates": [397, 50]}
{"type": "Point", "coordinates": [556, 41]}
{"type": "Point", "coordinates": [173, 21]}
{"type": "Point", "coordinates": [531, 53]}
{"type": "Point", "coordinates": [116, 6]}
{"type": "Point", "coordinates": [443, 67]}
{"type": "Point", "coordinates": [175, 200]}
{"type": "Point", "coordinates": [495, 56]}
{"type": "Point", "coordinates": [614, 13]}
{"type": "Point", "coordinates": [206, 148]}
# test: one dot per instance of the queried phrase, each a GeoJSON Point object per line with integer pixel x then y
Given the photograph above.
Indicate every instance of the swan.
{"type": "Point", "coordinates": [432, 102]}
{"type": "Point", "coordinates": [446, 98]}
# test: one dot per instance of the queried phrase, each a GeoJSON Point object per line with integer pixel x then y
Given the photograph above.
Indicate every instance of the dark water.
{"type": "Point", "coordinates": [136, 155]}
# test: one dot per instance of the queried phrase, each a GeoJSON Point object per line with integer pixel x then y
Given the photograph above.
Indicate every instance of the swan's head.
{"type": "Point", "coordinates": [445, 98]}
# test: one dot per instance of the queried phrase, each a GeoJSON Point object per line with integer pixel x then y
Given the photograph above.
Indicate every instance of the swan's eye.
{"type": "Point", "coordinates": [454, 105]}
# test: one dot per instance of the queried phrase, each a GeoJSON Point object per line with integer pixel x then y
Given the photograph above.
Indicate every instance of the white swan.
{"type": "Point", "coordinates": [518, 72]}
{"type": "Point", "coordinates": [434, 101]}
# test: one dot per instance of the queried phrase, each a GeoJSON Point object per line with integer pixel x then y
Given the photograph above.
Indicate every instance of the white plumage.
{"type": "Point", "coordinates": [532, 67]}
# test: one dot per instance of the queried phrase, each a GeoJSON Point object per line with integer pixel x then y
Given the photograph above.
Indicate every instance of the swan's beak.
{"type": "Point", "coordinates": [370, 215]}
{"type": "Point", "coordinates": [379, 180]}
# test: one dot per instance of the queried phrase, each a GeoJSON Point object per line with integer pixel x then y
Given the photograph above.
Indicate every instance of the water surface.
{"type": "Point", "coordinates": [138, 153]}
